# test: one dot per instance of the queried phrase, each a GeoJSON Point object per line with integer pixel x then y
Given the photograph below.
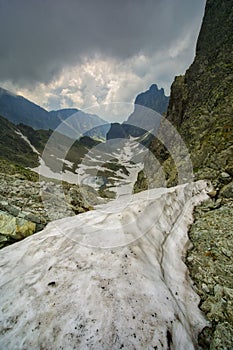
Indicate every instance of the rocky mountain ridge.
{"type": "Point", "coordinates": [18, 109]}
{"type": "Point", "coordinates": [27, 206]}
{"type": "Point", "coordinates": [201, 103]}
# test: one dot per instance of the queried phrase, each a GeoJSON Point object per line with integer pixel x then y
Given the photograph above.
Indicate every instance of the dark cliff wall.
{"type": "Point", "coordinates": [201, 101]}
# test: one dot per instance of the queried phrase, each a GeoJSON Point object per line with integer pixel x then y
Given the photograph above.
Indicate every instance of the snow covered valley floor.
{"type": "Point", "coordinates": [105, 279]}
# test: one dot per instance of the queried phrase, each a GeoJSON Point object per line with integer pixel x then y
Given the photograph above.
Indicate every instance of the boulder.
{"type": "Point", "coordinates": [227, 191]}
{"type": "Point", "coordinates": [14, 228]}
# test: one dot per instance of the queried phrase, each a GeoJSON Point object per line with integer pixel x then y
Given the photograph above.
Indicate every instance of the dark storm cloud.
{"type": "Point", "coordinates": [39, 38]}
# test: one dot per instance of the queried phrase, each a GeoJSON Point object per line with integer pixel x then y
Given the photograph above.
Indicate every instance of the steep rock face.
{"type": "Point", "coordinates": [178, 100]}
{"type": "Point", "coordinates": [201, 102]}
{"type": "Point", "coordinates": [148, 105]}
{"type": "Point", "coordinates": [207, 84]}
{"type": "Point", "coordinates": [201, 108]}
{"type": "Point", "coordinates": [153, 98]}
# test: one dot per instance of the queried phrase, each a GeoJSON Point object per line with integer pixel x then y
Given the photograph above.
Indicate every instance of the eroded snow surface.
{"type": "Point", "coordinates": [112, 278]}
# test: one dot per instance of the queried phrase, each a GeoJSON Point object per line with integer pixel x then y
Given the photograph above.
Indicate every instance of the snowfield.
{"type": "Point", "coordinates": [113, 278]}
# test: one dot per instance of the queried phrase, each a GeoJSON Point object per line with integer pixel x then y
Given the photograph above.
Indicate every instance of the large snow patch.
{"type": "Point", "coordinates": [105, 279]}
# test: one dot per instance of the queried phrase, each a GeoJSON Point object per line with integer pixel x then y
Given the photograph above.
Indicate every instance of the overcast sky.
{"type": "Point", "coordinates": [79, 53]}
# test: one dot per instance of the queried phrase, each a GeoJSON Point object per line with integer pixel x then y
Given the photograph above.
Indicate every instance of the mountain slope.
{"type": "Point", "coordinates": [17, 142]}
{"type": "Point", "coordinates": [13, 147]}
{"type": "Point", "coordinates": [18, 109]}
{"type": "Point", "coordinates": [74, 154]}
{"type": "Point", "coordinates": [63, 113]}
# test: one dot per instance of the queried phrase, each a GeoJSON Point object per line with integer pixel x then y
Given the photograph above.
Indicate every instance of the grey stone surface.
{"type": "Point", "coordinates": [37, 203]}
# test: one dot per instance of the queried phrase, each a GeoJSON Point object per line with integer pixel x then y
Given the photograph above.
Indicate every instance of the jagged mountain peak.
{"type": "Point", "coordinates": [153, 98]}
{"type": "Point", "coordinates": [155, 88]}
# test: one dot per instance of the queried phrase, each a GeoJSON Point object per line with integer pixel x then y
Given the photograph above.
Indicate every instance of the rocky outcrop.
{"type": "Point", "coordinates": [210, 266]}
{"type": "Point", "coordinates": [14, 228]}
{"type": "Point", "coordinates": [27, 206]}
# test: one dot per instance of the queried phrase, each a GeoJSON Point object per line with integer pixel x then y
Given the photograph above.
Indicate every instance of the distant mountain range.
{"type": "Point", "coordinates": [24, 125]}
{"type": "Point", "coordinates": [18, 109]}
